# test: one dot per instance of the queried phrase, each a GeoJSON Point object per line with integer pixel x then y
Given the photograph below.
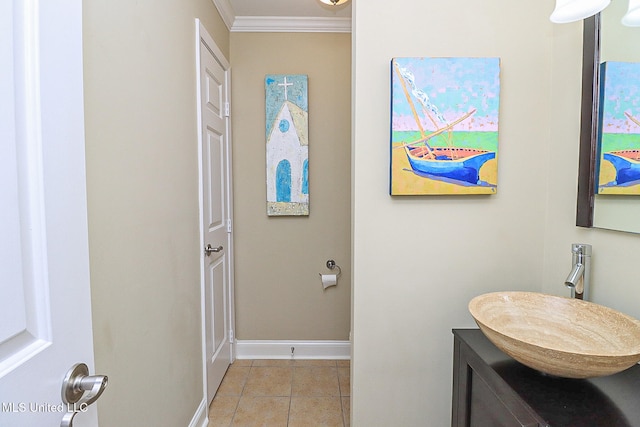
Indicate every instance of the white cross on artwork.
{"type": "Point", "coordinates": [286, 85]}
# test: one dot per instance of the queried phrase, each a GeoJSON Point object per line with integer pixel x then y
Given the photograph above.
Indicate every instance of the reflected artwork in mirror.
{"type": "Point", "coordinates": [619, 129]}
{"type": "Point", "coordinates": [605, 39]}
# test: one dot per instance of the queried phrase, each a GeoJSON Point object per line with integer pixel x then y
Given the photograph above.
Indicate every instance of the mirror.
{"type": "Point", "coordinates": [605, 39]}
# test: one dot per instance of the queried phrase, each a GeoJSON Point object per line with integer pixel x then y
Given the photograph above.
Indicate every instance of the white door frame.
{"type": "Point", "coordinates": [203, 36]}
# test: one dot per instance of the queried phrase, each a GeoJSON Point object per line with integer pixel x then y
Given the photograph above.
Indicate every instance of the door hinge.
{"type": "Point", "coordinates": [231, 336]}
{"type": "Point", "coordinates": [229, 227]}
{"type": "Point", "coordinates": [227, 109]}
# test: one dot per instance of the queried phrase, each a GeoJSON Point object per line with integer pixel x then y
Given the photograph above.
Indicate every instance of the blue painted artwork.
{"type": "Point", "coordinates": [619, 129]}
{"type": "Point", "coordinates": [286, 131]}
{"type": "Point", "coordinates": [305, 177]}
{"type": "Point", "coordinates": [444, 125]}
{"type": "Point", "coordinates": [284, 125]}
{"type": "Point", "coordinates": [283, 181]}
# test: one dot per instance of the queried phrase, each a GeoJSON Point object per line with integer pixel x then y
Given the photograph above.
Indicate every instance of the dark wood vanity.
{"type": "Point", "coordinates": [490, 389]}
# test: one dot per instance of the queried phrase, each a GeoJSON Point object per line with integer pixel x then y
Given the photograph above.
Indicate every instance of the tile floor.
{"type": "Point", "coordinates": [287, 393]}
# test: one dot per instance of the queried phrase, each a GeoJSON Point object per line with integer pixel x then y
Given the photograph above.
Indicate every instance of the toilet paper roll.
{"type": "Point", "coordinates": [329, 280]}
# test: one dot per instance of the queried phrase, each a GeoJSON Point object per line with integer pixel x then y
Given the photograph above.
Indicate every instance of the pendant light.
{"type": "Point", "coordinates": [576, 10]}
{"type": "Point", "coordinates": [334, 2]}
{"type": "Point", "coordinates": [632, 17]}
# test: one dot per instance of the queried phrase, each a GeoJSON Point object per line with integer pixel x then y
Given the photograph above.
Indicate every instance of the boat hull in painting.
{"type": "Point", "coordinates": [627, 164]}
{"type": "Point", "coordinates": [460, 164]}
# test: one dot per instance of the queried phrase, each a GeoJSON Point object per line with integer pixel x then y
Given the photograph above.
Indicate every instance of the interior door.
{"type": "Point", "coordinates": [216, 224]}
{"type": "Point", "coordinates": [45, 313]}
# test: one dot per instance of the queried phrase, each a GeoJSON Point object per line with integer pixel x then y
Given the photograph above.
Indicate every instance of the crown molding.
{"type": "Point", "coordinates": [290, 24]}
{"type": "Point", "coordinates": [226, 12]}
{"type": "Point", "coordinates": [279, 24]}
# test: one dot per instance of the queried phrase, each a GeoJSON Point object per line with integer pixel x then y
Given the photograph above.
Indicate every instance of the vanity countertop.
{"type": "Point", "coordinates": [611, 401]}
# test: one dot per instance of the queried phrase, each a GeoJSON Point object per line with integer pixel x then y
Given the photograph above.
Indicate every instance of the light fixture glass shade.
{"type": "Point", "coordinates": [575, 10]}
{"type": "Point", "coordinates": [632, 17]}
{"type": "Point", "coordinates": [334, 2]}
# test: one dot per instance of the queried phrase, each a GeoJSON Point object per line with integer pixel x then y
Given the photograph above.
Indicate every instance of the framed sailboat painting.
{"type": "Point", "coordinates": [444, 126]}
{"type": "Point", "coordinates": [619, 129]}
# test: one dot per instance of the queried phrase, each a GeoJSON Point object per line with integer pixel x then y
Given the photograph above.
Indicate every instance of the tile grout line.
{"type": "Point", "coordinates": [340, 393]}
{"type": "Point", "coordinates": [293, 370]}
{"type": "Point", "coordinates": [235, 410]}
{"type": "Point", "coordinates": [241, 394]}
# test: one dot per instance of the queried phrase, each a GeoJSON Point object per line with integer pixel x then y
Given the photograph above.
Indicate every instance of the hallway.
{"type": "Point", "coordinates": [287, 393]}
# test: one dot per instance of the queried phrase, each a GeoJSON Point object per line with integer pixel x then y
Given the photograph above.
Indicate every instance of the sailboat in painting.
{"type": "Point", "coordinates": [461, 164]}
{"type": "Point", "coordinates": [453, 164]}
{"type": "Point", "coordinates": [626, 162]}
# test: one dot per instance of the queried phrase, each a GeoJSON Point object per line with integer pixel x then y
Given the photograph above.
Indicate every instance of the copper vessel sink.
{"type": "Point", "coordinates": [559, 336]}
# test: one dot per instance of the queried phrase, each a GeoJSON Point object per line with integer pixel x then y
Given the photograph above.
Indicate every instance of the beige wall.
{"type": "Point", "coordinates": [417, 261]}
{"type": "Point", "coordinates": [518, 239]}
{"type": "Point", "coordinates": [142, 179]}
{"type": "Point", "coordinates": [277, 259]}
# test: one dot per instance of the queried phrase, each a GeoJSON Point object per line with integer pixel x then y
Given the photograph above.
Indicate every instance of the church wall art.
{"type": "Point", "coordinates": [287, 135]}
{"type": "Point", "coordinates": [444, 126]}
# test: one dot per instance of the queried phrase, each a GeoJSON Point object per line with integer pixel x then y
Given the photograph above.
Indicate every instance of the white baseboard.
{"type": "Point", "coordinates": [268, 349]}
{"type": "Point", "coordinates": [200, 417]}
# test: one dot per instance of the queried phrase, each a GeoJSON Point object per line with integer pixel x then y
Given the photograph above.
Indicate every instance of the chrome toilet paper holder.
{"type": "Point", "coordinates": [331, 265]}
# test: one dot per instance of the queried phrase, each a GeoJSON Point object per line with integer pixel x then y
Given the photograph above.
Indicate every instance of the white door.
{"type": "Point", "coordinates": [216, 212]}
{"type": "Point", "coordinates": [45, 313]}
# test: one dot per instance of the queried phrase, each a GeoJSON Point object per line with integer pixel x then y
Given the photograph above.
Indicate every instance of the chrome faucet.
{"type": "Point", "coordinates": [579, 278]}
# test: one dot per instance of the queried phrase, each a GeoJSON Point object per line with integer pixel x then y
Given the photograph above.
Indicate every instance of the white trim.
{"type": "Point", "coordinates": [290, 24]}
{"type": "Point", "coordinates": [226, 12]}
{"type": "Point", "coordinates": [212, 46]}
{"type": "Point", "coordinates": [271, 349]}
{"type": "Point", "coordinates": [230, 234]}
{"type": "Point", "coordinates": [203, 338]}
{"type": "Point", "coordinates": [200, 419]}
{"type": "Point", "coordinates": [203, 38]}
{"type": "Point", "coordinates": [279, 24]}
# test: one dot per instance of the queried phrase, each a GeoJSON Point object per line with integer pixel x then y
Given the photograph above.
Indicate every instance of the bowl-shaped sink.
{"type": "Point", "coordinates": [564, 337]}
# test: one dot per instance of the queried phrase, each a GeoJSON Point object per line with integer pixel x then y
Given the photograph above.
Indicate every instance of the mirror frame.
{"type": "Point", "coordinates": [587, 160]}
